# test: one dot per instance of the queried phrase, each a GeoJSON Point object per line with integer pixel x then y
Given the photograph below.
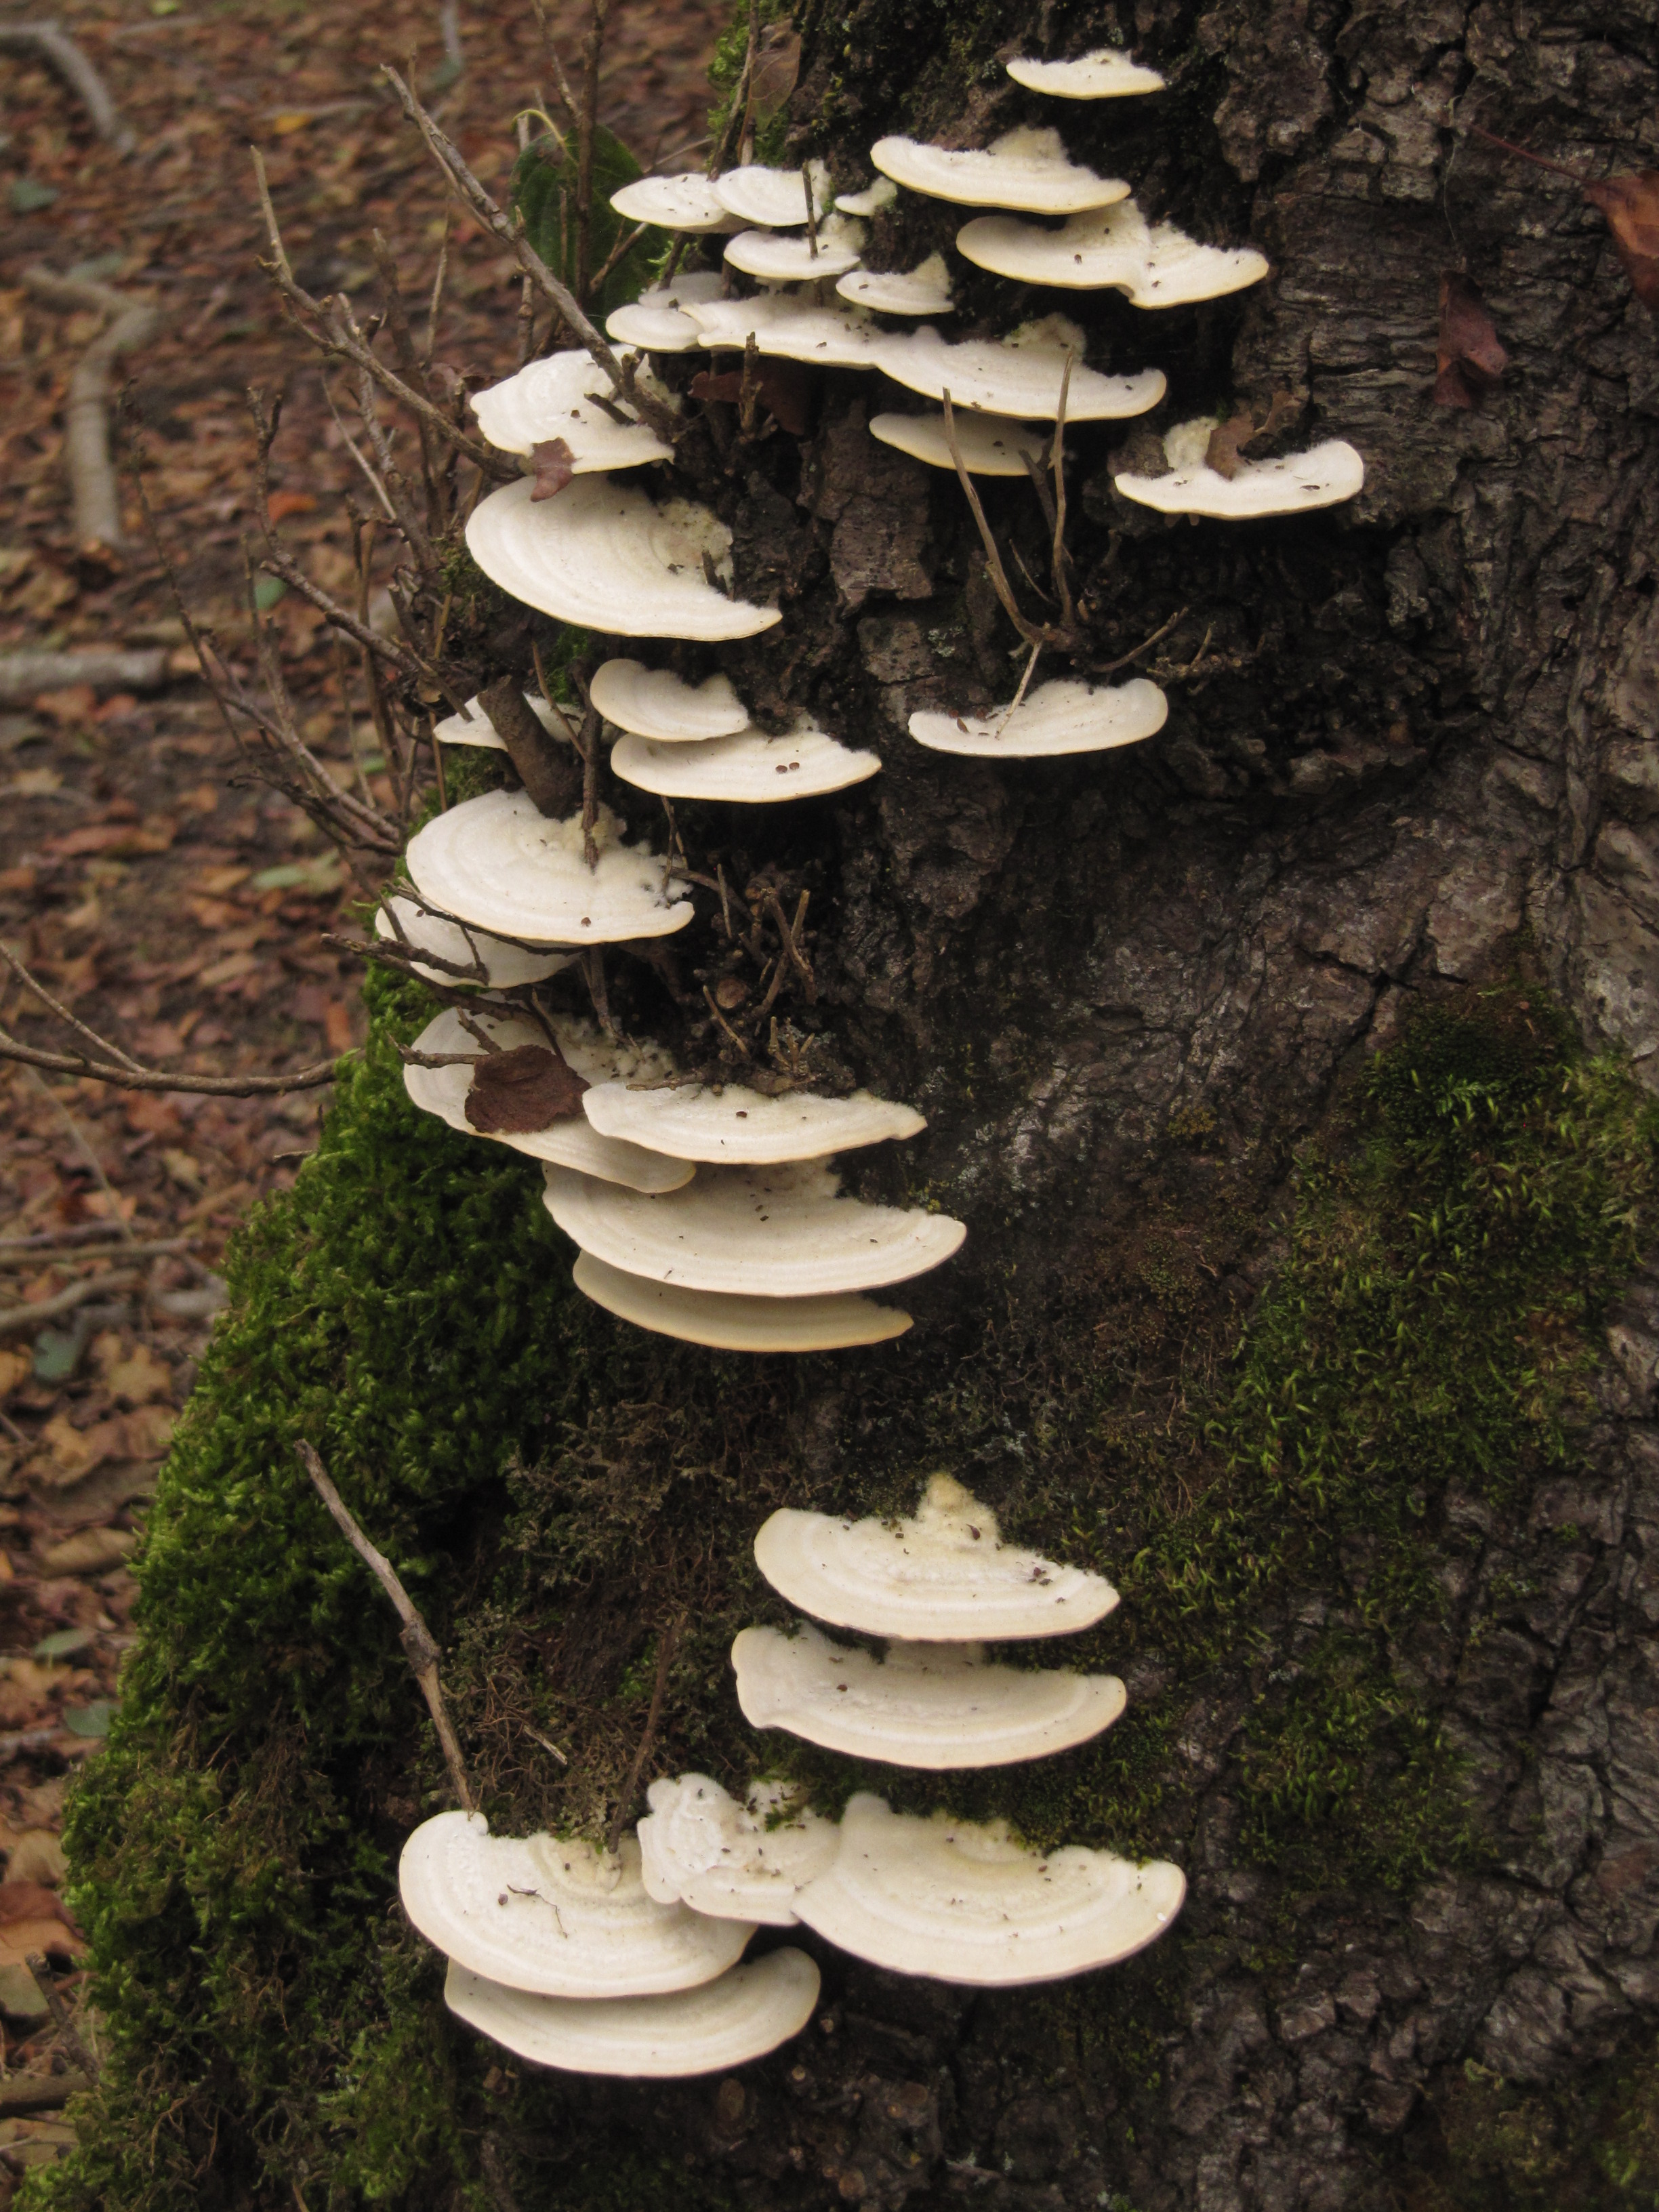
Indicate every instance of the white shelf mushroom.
{"type": "Point", "coordinates": [962, 1902]}
{"type": "Point", "coordinates": [990, 445]}
{"type": "Point", "coordinates": [790, 259]}
{"type": "Point", "coordinates": [782, 1231]}
{"type": "Point", "coordinates": [652, 703]}
{"type": "Point", "coordinates": [923, 290]}
{"type": "Point", "coordinates": [775, 199]}
{"type": "Point", "coordinates": [504, 964]}
{"type": "Point", "coordinates": [1323, 476]}
{"type": "Point", "coordinates": [685, 203]}
{"type": "Point", "coordinates": [725, 1321]}
{"type": "Point", "coordinates": [1066, 716]}
{"type": "Point", "coordinates": [561, 1919]}
{"type": "Point", "coordinates": [1104, 74]}
{"type": "Point", "coordinates": [748, 2011]}
{"type": "Point", "coordinates": [729, 1125]}
{"type": "Point", "coordinates": [573, 1141]}
{"type": "Point", "coordinates": [943, 1575]}
{"type": "Point", "coordinates": [933, 1706]}
{"type": "Point", "coordinates": [659, 320]}
{"type": "Point", "coordinates": [699, 1846]}
{"type": "Point", "coordinates": [1019, 375]}
{"type": "Point", "coordinates": [554, 398]}
{"type": "Point", "coordinates": [871, 201]}
{"type": "Point", "coordinates": [496, 863]}
{"type": "Point", "coordinates": [749, 767]}
{"type": "Point", "coordinates": [1024, 168]}
{"type": "Point", "coordinates": [474, 726]}
{"type": "Point", "coordinates": [786, 327]}
{"type": "Point", "coordinates": [604, 555]}
{"type": "Point", "coordinates": [1111, 248]}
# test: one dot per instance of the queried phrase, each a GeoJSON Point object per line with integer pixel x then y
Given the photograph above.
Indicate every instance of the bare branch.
{"type": "Point", "coordinates": [54, 46]}
{"type": "Point", "coordinates": [87, 404]}
{"type": "Point", "coordinates": [1003, 588]}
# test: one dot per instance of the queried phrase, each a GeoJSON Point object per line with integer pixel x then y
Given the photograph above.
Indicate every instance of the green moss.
{"type": "Point", "coordinates": [1589, 2144]}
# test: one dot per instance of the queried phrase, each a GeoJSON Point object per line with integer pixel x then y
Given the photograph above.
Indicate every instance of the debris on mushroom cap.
{"type": "Point", "coordinates": [942, 1575]}
{"type": "Point", "coordinates": [474, 727]}
{"type": "Point", "coordinates": [1024, 168]}
{"type": "Point", "coordinates": [699, 1847]}
{"type": "Point", "coordinates": [1158, 266]}
{"type": "Point", "coordinates": [990, 445]}
{"type": "Point", "coordinates": [1105, 74]}
{"type": "Point", "coordinates": [686, 202]}
{"type": "Point", "coordinates": [653, 703]}
{"type": "Point", "coordinates": [573, 1142]}
{"type": "Point", "coordinates": [1323, 476]}
{"type": "Point", "coordinates": [733, 1125]}
{"type": "Point", "coordinates": [497, 864]}
{"type": "Point", "coordinates": [923, 290]}
{"type": "Point", "coordinates": [961, 1901]}
{"type": "Point", "coordinates": [554, 398]}
{"type": "Point", "coordinates": [559, 1918]}
{"type": "Point", "coordinates": [742, 2014]}
{"type": "Point", "coordinates": [657, 320]}
{"type": "Point", "coordinates": [789, 328]}
{"type": "Point", "coordinates": [933, 1706]}
{"type": "Point", "coordinates": [792, 259]}
{"type": "Point", "coordinates": [870, 200]}
{"type": "Point", "coordinates": [783, 1231]}
{"type": "Point", "coordinates": [734, 1321]}
{"type": "Point", "coordinates": [1019, 375]}
{"type": "Point", "coordinates": [504, 964]}
{"type": "Point", "coordinates": [773, 198]}
{"type": "Point", "coordinates": [1066, 716]}
{"type": "Point", "coordinates": [602, 554]}
{"type": "Point", "coordinates": [749, 767]}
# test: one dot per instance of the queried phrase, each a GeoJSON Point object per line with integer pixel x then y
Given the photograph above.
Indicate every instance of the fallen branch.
{"type": "Point", "coordinates": [55, 46]}
{"type": "Point", "coordinates": [63, 1301]}
{"type": "Point", "coordinates": [419, 1649]}
{"type": "Point", "coordinates": [85, 410]}
{"type": "Point", "coordinates": [40, 2092]}
{"type": "Point", "coordinates": [670, 1637]}
{"type": "Point", "coordinates": [159, 1248]}
{"type": "Point", "coordinates": [24, 676]}
{"type": "Point", "coordinates": [68, 2035]}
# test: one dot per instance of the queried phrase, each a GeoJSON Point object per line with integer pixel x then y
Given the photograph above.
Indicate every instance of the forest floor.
{"type": "Point", "coordinates": [161, 893]}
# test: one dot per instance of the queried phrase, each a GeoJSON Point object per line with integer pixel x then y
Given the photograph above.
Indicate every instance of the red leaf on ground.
{"type": "Point", "coordinates": [284, 503]}
{"type": "Point", "coordinates": [514, 1092]}
{"type": "Point", "coordinates": [1469, 357]}
{"type": "Point", "coordinates": [1630, 204]}
{"type": "Point", "coordinates": [555, 467]}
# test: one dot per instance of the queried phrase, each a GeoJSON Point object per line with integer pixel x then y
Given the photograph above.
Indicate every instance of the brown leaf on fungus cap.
{"type": "Point", "coordinates": [525, 1088]}
{"type": "Point", "coordinates": [1225, 451]}
{"type": "Point", "coordinates": [1470, 358]}
{"type": "Point", "coordinates": [556, 467]}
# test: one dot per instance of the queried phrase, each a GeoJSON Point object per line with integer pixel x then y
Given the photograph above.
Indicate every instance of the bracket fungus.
{"type": "Point", "coordinates": [495, 862]}
{"type": "Point", "coordinates": [962, 1902]}
{"type": "Point", "coordinates": [783, 1230]}
{"type": "Point", "coordinates": [1104, 74]}
{"type": "Point", "coordinates": [726, 1321]}
{"type": "Point", "coordinates": [558, 1918]}
{"type": "Point", "coordinates": [699, 1846]}
{"type": "Point", "coordinates": [687, 202]}
{"type": "Point", "coordinates": [474, 727]}
{"type": "Point", "coordinates": [749, 766]}
{"type": "Point", "coordinates": [790, 328]}
{"type": "Point", "coordinates": [504, 964]}
{"type": "Point", "coordinates": [923, 290]}
{"type": "Point", "coordinates": [990, 445]}
{"type": "Point", "coordinates": [728, 1124]}
{"type": "Point", "coordinates": [659, 320]}
{"type": "Point", "coordinates": [653, 703]}
{"type": "Point", "coordinates": [788, 259]}
{"type": "Point", "coordinates": [775, 199]}
{"type": "Point", "coordinates": [932, 1706]}
{"type": "Point", "coordinates": [555, 397]}
{"type": "Point", "coordinates": [871, 201]}
{"type": "Point", "coordinates": [1025, 168]}
{"type": "Point", "coordinates": [572, 1140]}
{"type": "Point", "coordinates": [606, 556]}
{"type": "Point", "coordinates": [1066, 716]}
{"type": "Point", "coordinates": [1111, 248]}
{"type": "Point", "coordinates": [1019, 375]}
{"type": "Point", "coordinates": [943, 1576]}
{"type": "Point", "coordinates": [1295, 484]}
{"type": "Point", "coordinates": [748, 2011]}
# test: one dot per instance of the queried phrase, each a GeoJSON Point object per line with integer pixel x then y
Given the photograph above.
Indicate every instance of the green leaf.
{"type": "Point", "coordinates": [28, 197]}
{"type": "Point", "coordinates": [266, 592]}
{"type": "Point", "coordinates": [63, 1643]}
{"type": "Point", "coordinates": [324, 874]}
{"type": "Point", "coordinates": [91, 1720]}
{"type": "Point", "coordinates": [543, 190]}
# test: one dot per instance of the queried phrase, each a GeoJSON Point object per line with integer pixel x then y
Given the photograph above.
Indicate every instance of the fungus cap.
{"type": "Point", "coordinates": [1024, 168]}
{"type": "Point", "coordinates": [700, 1847]}
{"type": "Point", "coordinates": [659, 320]}
{"type": "Point", "coordinates": [504, 964]}
{"type": "Point", "coordinates": [1107, 248]}
{"type": "Point", "coordinates": [923, 290]}
{"type": "Point", "coordinates": [775, 199]}
{"type": "Point", "coordinates": [653, 703]}
{"type": "Point", "coordinates": [494, 862]}
{"type": "Point", "coordinates": [779, 1231]}
{"type": "Point", "coordinates": [574, 1141]}
{"type": "Point", "coordinates": [990, 445]}
{"type": "Point", "coordinates": [749, 767]}
{"type": "Point", "coordinates": [744, 2014]}
{"type": "Point", "coordinates": [1323, 476]}
{"type": "Point", "coordinates": [731, 1125]}
{"type": "Point", "coordinates": [604, 555]}
{"type": "Point", "coordinates": [943, 1575]}
{"type": "Point", "coordinates": [1011, 376]}
{"type": "Point", "coordinates": [786, 327]}
{"type": "Point", "coordinates": [1104, 74]}
{"type": "Point", "coordinates": [554, 398]}
{"type": "Point", "coordinates": [871, 201]}
{"type": "Point", "coordinates": [726, 1321]}
{"type": "Point", "coordinates": [561, 1918]}
{"type": "Point", "coordinates": [933, 1706]}
{"type": "Point", "coordinates": [474, 727]}
{"type": "Point", "coordinates": [1066, 716]}
{"type": "Point", "coordinates": [789, 258]}
{"type": "Point", "coordinates": [685, 203]}
{"type": "Point", "coordinates": [961, 1901]}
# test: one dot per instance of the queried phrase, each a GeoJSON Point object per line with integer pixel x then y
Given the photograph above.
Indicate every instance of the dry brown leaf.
{"type": "Point", "coordinates": [784, 389]}
{"type": "Point", "coordinates": [1228, 440]}
{"type": "Point", "coordinates": [1470, 357]}
{"type": "Point", "coordinates": [15, 1368]}
{"type": "Point", "coordinates": [556, 467]}
{"type": "Point", "coordinates": [89, 1552]}
{"type": "Point", "coordinates": [514, 1092]}
{"type": "Point", "coordinates": [139, 1378]}
{"type": "Point", "coordinates": [37, 1855]}
{"type": "Point", "coordinates": [24, 1903]}
{"type": "Point", "coordinates": [1630, 204]}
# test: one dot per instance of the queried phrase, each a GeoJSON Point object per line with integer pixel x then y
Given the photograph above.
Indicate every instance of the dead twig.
{"type": "Point", "coordinates": [54, 44]}
{"type": "Point", "coordinates": [68, 2036]}
{"type": "Point", "coordinates": [40, 1311]}
{"type": "Point", "coordinates": [131, 322]}
{"type": "Point", "coordinates": [669, 1638]}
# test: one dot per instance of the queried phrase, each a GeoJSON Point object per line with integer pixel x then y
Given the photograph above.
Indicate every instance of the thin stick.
{"type": "Point", "coordinates": [156, 1078]}
{"type": "Point", "coordinates": [1526, 154]}
{"type": "Point", "coordinates": [1000, 582]}
{"type": "Point", "coordinates": [74, 2049]}
{"type": "Point", "coordinates": [625, 1804]}
{"type": "Point", "coordinates": [33, 983]}
{"type": "Point", "coordinates": [53, 45]}
{"type": "Point", "coordinates": [587, 126]}
{"type": "Point", "coordinates": [419, 1649]}
{"type": "Point", "coordinates": [1058, 562]}
{"type": "Point", "coordinates": [78, 1294]}
{"type": "Point", "coordinates": [811, 213]}
{"type": "Point", "coordinates": [92, 478]}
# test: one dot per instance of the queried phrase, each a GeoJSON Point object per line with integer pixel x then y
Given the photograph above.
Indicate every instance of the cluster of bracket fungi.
{"type": "Point", "coordinates": [708, 1210]}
